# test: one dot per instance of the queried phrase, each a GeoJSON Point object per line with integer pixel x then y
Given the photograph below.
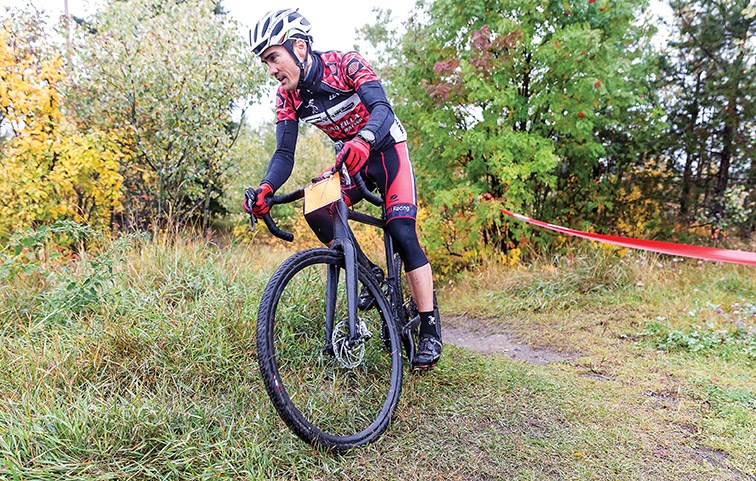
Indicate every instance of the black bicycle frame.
{"type": "Point", "coordinates": [345, 241]}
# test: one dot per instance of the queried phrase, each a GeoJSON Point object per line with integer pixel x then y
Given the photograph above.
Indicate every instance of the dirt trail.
{"type": "Point", "coordinates": [473, 334]}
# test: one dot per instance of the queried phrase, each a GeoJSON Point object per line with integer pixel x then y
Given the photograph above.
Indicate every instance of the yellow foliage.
{"type": "Point", "coordinates": [50, 170]}
{"type": "Point", "coordinates": [29, 100]}
{"type": "Point", "coordinates": [513, 257]}
{"type": "Point", "coordinates": [636, 210]}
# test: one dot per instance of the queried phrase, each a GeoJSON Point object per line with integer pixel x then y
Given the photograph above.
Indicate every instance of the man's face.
{"type": "Point", "coordinates": [281, 65]}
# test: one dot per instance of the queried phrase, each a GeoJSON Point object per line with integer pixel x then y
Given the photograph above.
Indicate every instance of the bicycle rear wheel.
{"type": "Point", "coordinates": [337, 401]}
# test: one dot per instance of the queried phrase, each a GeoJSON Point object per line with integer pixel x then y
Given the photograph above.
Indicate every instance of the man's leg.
{"type": "Point", "coordinates": [429, 346]}
{"type": "Point", "coordinates": [421, 286]}
{"type": "Point", "coordinates": [392, 171]}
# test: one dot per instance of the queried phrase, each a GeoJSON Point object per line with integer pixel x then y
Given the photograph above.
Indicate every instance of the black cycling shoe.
{"type": "Point", "coordinates": [366, 300]}
{"type": "Point", "coordinates": [428, 353]}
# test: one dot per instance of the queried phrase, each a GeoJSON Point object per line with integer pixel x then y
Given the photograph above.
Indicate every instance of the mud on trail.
{"type": "Point", "coordinates": [494, 340]}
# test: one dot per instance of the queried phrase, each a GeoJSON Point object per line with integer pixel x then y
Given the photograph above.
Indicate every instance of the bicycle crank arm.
{"type": "Point", "coordinates": [408, 339]}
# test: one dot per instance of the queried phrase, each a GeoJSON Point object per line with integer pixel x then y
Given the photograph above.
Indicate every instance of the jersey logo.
{"type": "Point", "coordinates": [401, 210]}
{"type": "Point", "coordinates": [311, 105]}
{"type": "Point", "coordinates": [353, 67]}
{"type": "Point", "coordinates": [334, 68]}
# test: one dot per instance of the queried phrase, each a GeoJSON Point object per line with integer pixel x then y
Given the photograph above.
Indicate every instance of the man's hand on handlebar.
{"type": "Point", "coordinates": [257, 201]}
{"type": "Point", "coordinates": [353, 154]}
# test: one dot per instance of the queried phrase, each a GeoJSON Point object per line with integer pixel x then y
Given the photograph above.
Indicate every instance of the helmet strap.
{"type": "Point", "coordinates": [289, 46]}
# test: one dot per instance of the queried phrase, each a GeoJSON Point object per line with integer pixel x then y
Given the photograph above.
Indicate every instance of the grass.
{"type": "Point", "coordinates": [139, 363]}
{"type": "Point", "coordinates": [619, 321]}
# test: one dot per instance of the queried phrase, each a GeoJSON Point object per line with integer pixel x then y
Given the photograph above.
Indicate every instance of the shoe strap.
{"type": "Point", "coordinates": [432, 339]}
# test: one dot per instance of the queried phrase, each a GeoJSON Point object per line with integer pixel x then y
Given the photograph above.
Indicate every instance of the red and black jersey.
{"type": "Point", "coordinates": [339, 96]}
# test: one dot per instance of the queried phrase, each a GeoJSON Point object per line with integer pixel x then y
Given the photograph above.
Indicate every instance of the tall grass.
{"type": "Point", "coordinates": [144, 351]}
{"type": "Point", "coordinates": [136, 360]}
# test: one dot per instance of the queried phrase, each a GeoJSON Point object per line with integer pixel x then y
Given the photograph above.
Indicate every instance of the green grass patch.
{"type": "Point", "coordinates": [137, 361]}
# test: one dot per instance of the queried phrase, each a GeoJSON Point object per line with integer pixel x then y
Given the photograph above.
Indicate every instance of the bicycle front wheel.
{"type": "Point", "coordinates": [329, 392]}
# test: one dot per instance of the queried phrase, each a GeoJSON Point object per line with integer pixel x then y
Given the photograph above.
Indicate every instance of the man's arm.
{"type": "Point", "coordinates": [361, 76]}
{"type": "Point", "coordinates": [282, 162]}
{"type": "Point", "coordinates": [381, 115]}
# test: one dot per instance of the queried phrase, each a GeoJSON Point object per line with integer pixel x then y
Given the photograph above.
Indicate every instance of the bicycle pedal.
{"type": "Point", "coordinates": [422, 369]}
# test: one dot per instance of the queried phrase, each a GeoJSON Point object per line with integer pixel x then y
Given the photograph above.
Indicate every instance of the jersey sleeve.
{"type": "Point", "coordinates": [355, 69]}
{"type": "Point", "coordinates": [282, 162]}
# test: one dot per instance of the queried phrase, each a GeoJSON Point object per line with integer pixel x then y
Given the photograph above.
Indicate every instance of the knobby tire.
{"type": "Point", "coordinates": [321, 401]}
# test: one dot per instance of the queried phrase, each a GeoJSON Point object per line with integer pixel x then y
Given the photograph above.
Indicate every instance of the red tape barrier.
{"type": "Point", "coordinates": [684, 250]}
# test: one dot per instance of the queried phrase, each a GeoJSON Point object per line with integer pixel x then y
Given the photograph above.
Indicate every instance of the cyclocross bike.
{"type": "Point", "coordinates": [333, 371]}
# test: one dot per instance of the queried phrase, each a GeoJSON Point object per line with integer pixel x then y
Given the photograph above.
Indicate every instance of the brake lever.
{"type": "Point", "coordinates": [250, 197]}
{"type": "Point", "coordinates": [346, 179]}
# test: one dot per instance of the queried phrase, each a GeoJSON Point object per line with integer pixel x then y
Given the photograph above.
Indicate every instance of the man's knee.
{"type": "Point", "coordinates": [404, 234]}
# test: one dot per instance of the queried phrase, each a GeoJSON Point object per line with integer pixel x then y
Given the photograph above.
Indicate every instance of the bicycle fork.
{"type": "Point", "coordinates": [351, 280]}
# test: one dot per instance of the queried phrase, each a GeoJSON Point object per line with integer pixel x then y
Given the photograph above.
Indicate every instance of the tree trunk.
{"type": "Point", "coordinates": [691, 144]}
{"type": "Point", "coordinates": [729, 131]}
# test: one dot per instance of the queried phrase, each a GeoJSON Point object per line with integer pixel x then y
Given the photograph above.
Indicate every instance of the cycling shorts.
{"type": "Point", "coordinates": [391, 171]}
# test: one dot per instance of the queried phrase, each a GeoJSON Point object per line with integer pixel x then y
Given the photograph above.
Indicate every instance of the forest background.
{"type": "Point", "coordinates": [134, 118]}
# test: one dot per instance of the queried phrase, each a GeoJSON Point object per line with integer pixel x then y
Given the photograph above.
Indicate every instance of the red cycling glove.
{"type": "Point", "coordinates": [260, 207]}
{"type": "Point", "coordinates": [354, 155]}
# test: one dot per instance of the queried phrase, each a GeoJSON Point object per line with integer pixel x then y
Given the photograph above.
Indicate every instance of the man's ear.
{"type": "Point", "coordinates": [300, 48]}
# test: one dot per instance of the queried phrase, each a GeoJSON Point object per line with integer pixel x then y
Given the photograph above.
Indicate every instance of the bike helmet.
{"type": "Point", "coordinates": [275, 28]}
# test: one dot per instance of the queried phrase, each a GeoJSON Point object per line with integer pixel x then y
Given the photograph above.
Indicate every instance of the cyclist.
{"type": "Point", "coordinates": [339, 93]}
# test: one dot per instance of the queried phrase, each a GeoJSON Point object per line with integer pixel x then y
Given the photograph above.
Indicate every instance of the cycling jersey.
{"type": "Point", "coordinates": [341, 95]}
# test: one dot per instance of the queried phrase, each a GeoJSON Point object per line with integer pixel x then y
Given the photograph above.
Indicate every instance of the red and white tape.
{"type": "Point", "coordinates": [671, 248]}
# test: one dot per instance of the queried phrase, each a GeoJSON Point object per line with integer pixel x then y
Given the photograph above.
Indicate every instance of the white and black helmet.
{"type": "Point", "coordinates": [275, 28]}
